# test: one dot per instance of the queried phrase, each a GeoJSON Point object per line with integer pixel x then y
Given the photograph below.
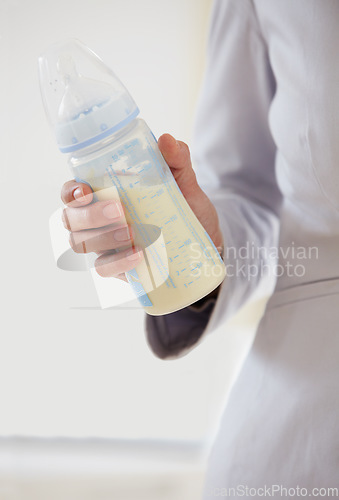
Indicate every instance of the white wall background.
{"type": "Point", "coordinates": [67, 367]}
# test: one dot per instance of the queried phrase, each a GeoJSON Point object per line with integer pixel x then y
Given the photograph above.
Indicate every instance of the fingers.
{"type": "Point", "coordinates": [76, 194]}
{"type": "Point", "coordinates": [101, 213]}
{"type": "Point", "coordinates": [101, 240]}
{"type": "Point", "coordinates": [114, 264]}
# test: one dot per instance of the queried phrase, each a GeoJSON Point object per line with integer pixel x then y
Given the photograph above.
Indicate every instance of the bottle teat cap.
{"type": "Point", "coordinates": [84, 100]}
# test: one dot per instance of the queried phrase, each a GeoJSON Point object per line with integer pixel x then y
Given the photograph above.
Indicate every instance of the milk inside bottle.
{"type": "Point", "coordinates": [96, 122]}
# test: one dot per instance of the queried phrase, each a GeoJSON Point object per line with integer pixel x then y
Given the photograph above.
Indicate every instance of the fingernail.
{"type": "Point", "coordinates": [112, 211]}
{"type": "Point", "coordinates": [78, 194]}
{"type": "Point", "coordinates": [122, 234]}
{"type": "Point", "coordinates": [133, 255]}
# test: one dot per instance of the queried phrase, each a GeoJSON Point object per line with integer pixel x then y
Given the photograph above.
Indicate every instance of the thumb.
{"type": "Point", "coordinates": [178, 158]}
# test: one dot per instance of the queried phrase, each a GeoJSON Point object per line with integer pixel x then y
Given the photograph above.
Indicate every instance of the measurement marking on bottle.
{"type": "Point", "coordinates": [176, 256]}
{"type": "Point", "coordinates": [181, 246]}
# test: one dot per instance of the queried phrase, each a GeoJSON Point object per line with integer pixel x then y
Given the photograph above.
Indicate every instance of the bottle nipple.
{"type": "Point", "coordinates": [67, 69]}
{"type": "Point", "coordinates": [82, 95]}
{"type": "Point", "coordinates": [86, 102]}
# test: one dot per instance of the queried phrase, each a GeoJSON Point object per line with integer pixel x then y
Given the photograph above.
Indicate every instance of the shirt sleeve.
{"type": "Point", "coordinates": [233, 155]}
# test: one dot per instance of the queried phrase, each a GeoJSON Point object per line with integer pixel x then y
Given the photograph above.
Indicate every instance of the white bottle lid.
{"type": "Point", "coordinates": [83, 99]}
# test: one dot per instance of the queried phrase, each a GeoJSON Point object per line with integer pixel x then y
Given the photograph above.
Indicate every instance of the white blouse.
{"type": "Point", "coordinates": [266, 151]}
{"type": "Point", "coordinates": [266, 143]}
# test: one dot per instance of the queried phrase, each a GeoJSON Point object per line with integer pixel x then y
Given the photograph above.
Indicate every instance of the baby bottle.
{"type": "Point", "coordinates": [95, 121]}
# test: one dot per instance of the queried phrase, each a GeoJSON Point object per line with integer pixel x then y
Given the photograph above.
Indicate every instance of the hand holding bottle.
{"type": "Point", "coordinates": [101, 226]}
{"type": "Point", "coordinates": [146, 216]}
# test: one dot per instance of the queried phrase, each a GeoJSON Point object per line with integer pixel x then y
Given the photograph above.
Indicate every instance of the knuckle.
{"type": "Point", "coordinates": [98, 267]}
{"type": "Point", "coordinates": [71, 242]}
{"type": "Point", "coordinates": [65, 219]}
{"type": "Point", "coordinates": [63, 193]}
{"type": "Point", "coordinates": [78, 247]}
{"type": "Point", "coordinates": [109, 265]}
{"type": "Point", "coordinates": [184, 147]}
{"type": "Point", "coordinates": [102, 268]}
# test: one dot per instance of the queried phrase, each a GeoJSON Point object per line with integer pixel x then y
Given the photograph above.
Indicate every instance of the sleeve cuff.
{"type": "Point", "coordinates": [173, 335]}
